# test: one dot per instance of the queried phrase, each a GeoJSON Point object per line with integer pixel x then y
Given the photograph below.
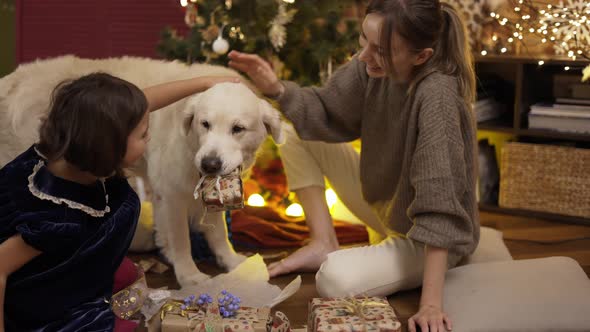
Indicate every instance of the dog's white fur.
{"type": "Point", "coordinates": [179, 141]}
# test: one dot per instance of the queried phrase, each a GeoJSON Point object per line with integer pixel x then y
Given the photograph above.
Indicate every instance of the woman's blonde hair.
{"type": "Point", "coordinates": [428, 24]}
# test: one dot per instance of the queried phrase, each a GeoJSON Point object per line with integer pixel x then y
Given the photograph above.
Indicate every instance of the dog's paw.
{"type": "Point", "coordinates": [192, 279]}
{"type": "Point", "coordinates": [188, 274]}
{"type": "Point", "coordinates": [229, 262]}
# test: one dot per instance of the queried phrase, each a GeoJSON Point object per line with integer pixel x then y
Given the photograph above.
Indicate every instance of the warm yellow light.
{"type": "Point", "coordinates": [541, 63]}
{"type": "Point", "coordinates": [484, 52]}
{"type": "Point", "coordinates": [256, 200]}
{"type": "Point", "coordinates": [503, 50]}
{"type": "Point", "coordinates": [294, 210]}
{"type": "Point", "coordinates": [331, 197]}
{"type": "Point", "coordinates": [566, 68]}
{"type": "Point", "coordinates": [183, 3]}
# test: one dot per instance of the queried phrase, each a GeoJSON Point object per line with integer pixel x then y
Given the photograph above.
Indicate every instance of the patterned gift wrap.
{"type": "Point", "coordinates": [246, 319]}
{"type": "Point", "coordinates": [222, 193]}
{"type": "Point", "coordinates": [127, 302]}
{"type": "Point", "coordinates": [373, 314]}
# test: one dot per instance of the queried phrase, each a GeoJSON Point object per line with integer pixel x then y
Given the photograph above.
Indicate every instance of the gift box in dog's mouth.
{"type": "Point", "coordinates": [221, 192]}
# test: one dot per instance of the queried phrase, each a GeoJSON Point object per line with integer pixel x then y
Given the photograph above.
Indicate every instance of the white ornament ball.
{"type": "Point", "coordinates": [220, 46]}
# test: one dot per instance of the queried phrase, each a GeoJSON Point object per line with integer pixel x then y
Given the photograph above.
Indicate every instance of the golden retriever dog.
{"type": "Point", "coordinates": [212, 132]}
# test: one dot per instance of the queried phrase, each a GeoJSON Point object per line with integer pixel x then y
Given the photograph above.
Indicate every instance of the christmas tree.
{"type": "Point", "coordinates": [301, 39]}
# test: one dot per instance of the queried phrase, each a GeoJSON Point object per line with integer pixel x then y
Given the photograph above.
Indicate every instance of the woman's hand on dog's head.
{"type": "Point", "coordinates": [259, 71]}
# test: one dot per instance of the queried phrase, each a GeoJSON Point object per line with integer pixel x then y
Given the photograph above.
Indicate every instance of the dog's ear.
{"type": "Point", "coordinates": [192, 104]}
{"type": "Point", "coordinates": [187, 122]}
{"type": "Point", "coordinates": [272, 121]}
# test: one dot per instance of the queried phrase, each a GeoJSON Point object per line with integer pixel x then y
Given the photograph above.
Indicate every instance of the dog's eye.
{"type": "Point", "coordinates": [237, 129]}
{"type": "Point", "coordinates": [205, 124]}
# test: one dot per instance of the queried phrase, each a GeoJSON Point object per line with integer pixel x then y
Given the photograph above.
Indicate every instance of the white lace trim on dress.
{"type": "Point", "coordinates": [58, 200]}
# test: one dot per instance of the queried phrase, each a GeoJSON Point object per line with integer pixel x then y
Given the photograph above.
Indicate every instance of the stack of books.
{"type": "Point", "coordinates": [488, 109]}
{"type": "Point", "coordinates": [569, 115]}
{"type": "Point", "coordinates": [493, 93]}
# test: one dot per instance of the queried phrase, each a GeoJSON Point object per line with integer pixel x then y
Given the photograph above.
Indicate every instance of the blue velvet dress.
{"type": "Point", "coordinates": [83, 233]}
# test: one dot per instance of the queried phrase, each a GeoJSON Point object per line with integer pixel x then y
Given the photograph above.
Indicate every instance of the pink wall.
{"type": "Point", "coordinates": [93, 29]}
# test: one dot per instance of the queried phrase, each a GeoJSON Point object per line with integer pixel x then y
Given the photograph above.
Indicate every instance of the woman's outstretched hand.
{"type": "Point", "coordinates": [430, 319]}
{"type": "Point", "coordinates": [259, 71]}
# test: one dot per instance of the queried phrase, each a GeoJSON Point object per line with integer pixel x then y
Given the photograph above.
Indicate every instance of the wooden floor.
{"type": "Point", "coordinates": [525, 237]}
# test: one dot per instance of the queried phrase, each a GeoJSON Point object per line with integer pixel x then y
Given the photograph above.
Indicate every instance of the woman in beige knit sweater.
{"type": "Point", "coordinates": [407, 95]}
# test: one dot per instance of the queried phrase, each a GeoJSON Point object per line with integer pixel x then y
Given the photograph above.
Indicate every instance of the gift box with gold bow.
{"type": "Point", "coordinates": [368, 314]}
{"type": "Point", "coordinates": [246, 319]}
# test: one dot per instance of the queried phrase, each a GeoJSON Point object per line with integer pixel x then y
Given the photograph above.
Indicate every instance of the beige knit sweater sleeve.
{"type": "Point", "coordinates": [442, 203]}
{"type": "Point", "coordinates": [331, 113]}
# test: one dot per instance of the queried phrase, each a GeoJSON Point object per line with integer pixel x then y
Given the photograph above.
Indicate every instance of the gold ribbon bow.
{"type": "Point", "coordinates": [175, 306]}
{"type": "Point", "coordinates": [210, 318]}
{"type": "Point", "coordinates": [358, 307]}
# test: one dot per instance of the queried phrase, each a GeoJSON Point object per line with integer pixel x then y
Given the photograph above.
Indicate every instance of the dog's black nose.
{"type": "Point", "coordinates": [211, 165]}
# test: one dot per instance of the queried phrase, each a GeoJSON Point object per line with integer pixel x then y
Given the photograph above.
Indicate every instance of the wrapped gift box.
{"type": "Point", "coordinates": [352, 315]}
{"type": "Point", "coordinates": [222, 193]}
{"type": "Point", "coordinates": [246, 319]}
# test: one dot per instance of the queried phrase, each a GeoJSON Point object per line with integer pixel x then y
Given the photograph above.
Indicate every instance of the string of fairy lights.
{"type": "Point", "coordinates": [566, 26]}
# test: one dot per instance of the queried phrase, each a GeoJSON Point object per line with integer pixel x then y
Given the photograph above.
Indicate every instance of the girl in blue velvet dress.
{"type": "Point", "coordinates": [67, 214]}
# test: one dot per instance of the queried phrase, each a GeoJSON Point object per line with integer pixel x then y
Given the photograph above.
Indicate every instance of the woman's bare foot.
{"type": "Point", "coordinates": [305, 259]}
{"type": "Point", "coordinates": [321, 231]}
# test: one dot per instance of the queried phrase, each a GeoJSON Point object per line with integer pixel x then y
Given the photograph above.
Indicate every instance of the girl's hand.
{"type": "Point", "coordinates": [210, 81]}
{"type": "Point", "coordinates": [164, 94]}
{"type": "Point", "coordinates": [259, 72]}
{"type": "Point", "coordinates": [430, 319]}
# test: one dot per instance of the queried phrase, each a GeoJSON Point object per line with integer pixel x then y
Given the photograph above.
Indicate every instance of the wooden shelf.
{"type": "Point", "coordinates": [498, 125]}
{"type": "Point", "coordinates": [552, 134]}
{"type": "Point", "coordinates": [535, 214]}
{"type": "Point", "coordinates": [532, 84]}
{"type": "Point", "coordinates": [549, 59]}
{"type": "Point", "coordinates": [528, 90]}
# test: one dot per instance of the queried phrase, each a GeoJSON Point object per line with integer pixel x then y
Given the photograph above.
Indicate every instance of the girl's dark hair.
{"type": "Point", "coordinates": [89, 121]}
{"type": "Point", "coordinates": [428, 24]}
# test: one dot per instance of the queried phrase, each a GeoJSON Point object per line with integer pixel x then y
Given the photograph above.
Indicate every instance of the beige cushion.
{"type": "Point", "coordinates": [545, 294]}
{"type": "Point", "coordinates": [491, 248]}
